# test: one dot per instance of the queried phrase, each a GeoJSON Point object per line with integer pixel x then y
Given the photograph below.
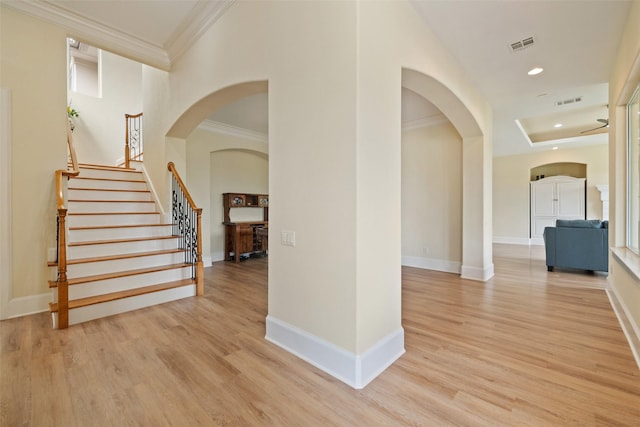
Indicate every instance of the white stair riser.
{"type": "Point", "coordinates": [110, 308]}
{"type": "Point", "coordinates": [108, 249]}
{"type": "Point", "coordinates": [112, 266]}
{"type": "Point", "coordinates": [95, 194]}
{"type": "Point", "coordinates": [110, 174]}
{"type": "Point", "coordinates": [118, 233]}
{"type": "Point", "coordinates": [108, 286]}
{"type": "Point", "coordinates": [97, 220]}
{"type": "Point", "coordinates": [107, 184]}
{"type": "Point", "coordinates": [87, 207]}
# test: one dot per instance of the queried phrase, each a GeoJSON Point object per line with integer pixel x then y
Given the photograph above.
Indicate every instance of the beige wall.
{"type": "Point", "coordinates": [334, 125]}
{"type": "Point", "coordinates": [99, 135]}
{"type": "Point", "coordinates": [33, 57]}
{"type": "Point", "coordinates": [432, 198]}
{"type": "Point", "coordinates": [334, 83]}
{"type": "Point", "coordinates": [624, 79]}
{"type": "Point", "coordinates": [511, 177]}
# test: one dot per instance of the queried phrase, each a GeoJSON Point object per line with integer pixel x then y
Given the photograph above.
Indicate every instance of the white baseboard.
{"type": "Point", "coordinates": [432, 264]}
{"type": "Point", "coordinates": [23, 306]}
{"type": "Point", "coordinates": [476, 273]}
{"type": "Point", "coordinates": [512, 240]}
{"type": "Point", "coordinates": [630, 328]}
{"type": "Point", "coordinates": [355, 370]}
{"type": "Point", "coordinates": [217, 256]}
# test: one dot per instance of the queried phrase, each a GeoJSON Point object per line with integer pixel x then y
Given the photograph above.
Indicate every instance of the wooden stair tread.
{"type": "Point", "coordinates": [100, 227]}
{"type": "Point", "coordinates": [117, 257]}
{"type": "Point", "coordinates": [117, 190]}
{"type": "Point", "coordinates": [114, 213]}
{"type": "Point", "coordinates": [83, 302]}
{"type": "Point", "coordinates": [131, 239]}
{"type": "Point", "coordinates": [117, 274]}
{"type": "Point", "coordinates": [110, 201]}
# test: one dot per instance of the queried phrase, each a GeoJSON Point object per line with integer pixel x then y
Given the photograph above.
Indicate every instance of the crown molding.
{"type": "Point", "coordinates": [225, 129]}
{"type": "Point", "coordinates": [436, 119]}
{"type": "Point", "coordinates": [95, 33]}
{"type": "Point", "coordinates": [204, 14]}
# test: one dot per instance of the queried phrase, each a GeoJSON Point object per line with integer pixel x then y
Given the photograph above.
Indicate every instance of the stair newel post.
{"type": "Point", "coordinates": [199, 263]}
{"type": "Point", "coordinates": [61, 234]}
{"type": "Point", "coordinates": [62, 282]}
{"type": "Point", "coordinates": [127, 150]}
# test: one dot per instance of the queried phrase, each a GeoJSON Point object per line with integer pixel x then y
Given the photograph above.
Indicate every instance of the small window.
{"type": "Point", "coordinates": [84, 68]}
{"type": "Point", "coordinates": [633, 174]}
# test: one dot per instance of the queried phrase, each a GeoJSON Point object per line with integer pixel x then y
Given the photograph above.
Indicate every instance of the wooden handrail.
{"type": "Point", "coordinates": [199, 263]}
{"type": "Point", "coordinates": [173, 170]}
{"type": "Point", "coordinates": [75, 170]}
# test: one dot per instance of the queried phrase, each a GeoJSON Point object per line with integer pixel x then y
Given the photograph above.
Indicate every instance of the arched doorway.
{"type": "Point", "coordinates": [476, 173]}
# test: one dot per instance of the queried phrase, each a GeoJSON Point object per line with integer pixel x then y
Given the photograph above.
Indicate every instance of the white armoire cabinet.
{"type": "Point", "coordinates": [556, 197]}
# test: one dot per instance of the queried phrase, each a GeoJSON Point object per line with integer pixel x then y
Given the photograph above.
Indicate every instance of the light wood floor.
{"type": "Point", "coordinates": [526, 348]}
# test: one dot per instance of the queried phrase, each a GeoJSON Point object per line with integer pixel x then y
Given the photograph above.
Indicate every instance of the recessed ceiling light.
{"type": "Point", "coordinates": [557, 125]}
{"type": "Point", "coordinates": [554, 148]}
{"type": "Point", "coordinates": [534, 71]}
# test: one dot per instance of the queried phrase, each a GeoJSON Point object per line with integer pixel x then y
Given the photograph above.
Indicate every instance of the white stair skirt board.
{"type": "Point", "coordinates": [102, 184]}
{"type": "Point", "coordinates": [112, 219]}
{"type": "Point", "coordinates": [96, 311]}
{"type": "Point", "coordinates": [476, 273]}
{"type": "Point", "coordinates": [109, 207]}
{"type": "Point", "coordinates": [92, 268]}
{"type": "Point", "coordinates": [354, 370]}
{"type": "Point", "coordinates": [107, 249]}
{"type": "Point", "coordinates": [113, 232]}
{"type": "Point", "coordinates": [110, 174]}
{"type": "Point", "coordinates": [96, 194]}
{"type": "Point", "coordinates": [107, 286]}
{"type": "Point", "coordinates": [432, 264]}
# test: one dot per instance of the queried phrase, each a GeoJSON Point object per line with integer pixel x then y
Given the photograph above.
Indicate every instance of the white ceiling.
{"type": "Point", "coordinates": [575, 41]}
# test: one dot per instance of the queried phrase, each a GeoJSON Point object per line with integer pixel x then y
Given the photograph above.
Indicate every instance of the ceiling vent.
{"type": "Point", "coordinates": [522, 44]}
{"type": "Point", "coordinates": [568, 101]}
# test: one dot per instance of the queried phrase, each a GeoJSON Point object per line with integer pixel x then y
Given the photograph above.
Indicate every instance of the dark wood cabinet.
{"type": "Point", "coordinates": [247, 237]}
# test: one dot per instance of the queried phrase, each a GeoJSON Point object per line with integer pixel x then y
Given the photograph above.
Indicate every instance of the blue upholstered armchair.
{"type": "Point", "coordinates": [580, 244]}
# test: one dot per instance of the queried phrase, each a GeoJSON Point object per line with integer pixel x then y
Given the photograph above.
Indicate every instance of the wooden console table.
{"type": "Point", "coordinates": [247, 237]}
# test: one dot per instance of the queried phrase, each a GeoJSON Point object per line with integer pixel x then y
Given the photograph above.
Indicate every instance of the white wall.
{"type": "Point", "coordinates": [99, 135]}
{"type": "Point", "coordinates": [624, 268]}
{"type": "Point", "coordinates": [31, 49]}
{"type": "Point", "coordinates": [432, 198]}
{"type": "Point", "coordinates": [511, 178]}
{"type": "Point", "coordinates": [334, 82]}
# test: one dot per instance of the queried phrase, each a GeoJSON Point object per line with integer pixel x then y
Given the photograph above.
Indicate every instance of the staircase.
{"type": "Point", "coordinates": [121, 254]}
